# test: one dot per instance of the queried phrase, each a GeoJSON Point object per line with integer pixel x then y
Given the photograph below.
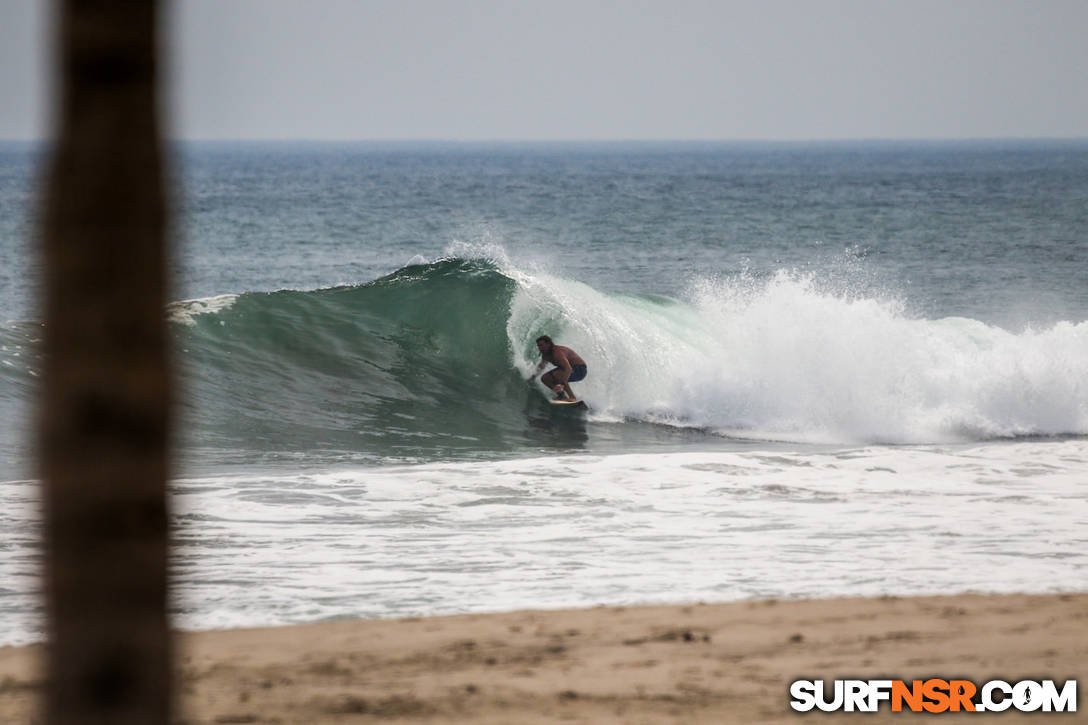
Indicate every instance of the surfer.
{"type": "Point", "coordinates": [569, 367]}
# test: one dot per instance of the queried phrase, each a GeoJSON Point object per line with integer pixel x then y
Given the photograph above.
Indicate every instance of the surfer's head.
{"type": "Point", "coordinates": [544, 343]}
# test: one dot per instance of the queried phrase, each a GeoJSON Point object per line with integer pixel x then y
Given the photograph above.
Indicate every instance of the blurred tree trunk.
{"type": "Point", "coordinates": [106, 386]}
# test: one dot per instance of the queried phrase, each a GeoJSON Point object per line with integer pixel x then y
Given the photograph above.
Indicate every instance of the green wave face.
{"type": "Point", "coordinates": [415, 364]}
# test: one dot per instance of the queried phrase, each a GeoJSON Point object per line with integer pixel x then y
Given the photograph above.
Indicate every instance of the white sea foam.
{"type": "Point", "coordinates": [579, 530]}
{"type": "Point", "coordinates": [584, 530]}
{"type": "Point", "coordinates": [786, 359]}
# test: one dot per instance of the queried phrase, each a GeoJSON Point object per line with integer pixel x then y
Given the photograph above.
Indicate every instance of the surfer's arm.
{"type": "Point", "coordinates": [539, 366]}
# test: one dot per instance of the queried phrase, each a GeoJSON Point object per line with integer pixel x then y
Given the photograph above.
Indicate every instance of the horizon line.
{"type": "Point", "coordinates": [593, 140]}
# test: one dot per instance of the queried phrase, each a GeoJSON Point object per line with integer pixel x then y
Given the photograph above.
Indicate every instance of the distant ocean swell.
{"type": "Point", "coordinates": [435, 356]}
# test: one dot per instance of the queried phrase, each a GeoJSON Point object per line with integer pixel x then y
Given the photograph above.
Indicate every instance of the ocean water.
{"type": "Point", "coordinates": [814, 370]}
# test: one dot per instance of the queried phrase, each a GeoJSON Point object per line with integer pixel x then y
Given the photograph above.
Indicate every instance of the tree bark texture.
{"type": "Point", "coordinates": [104, 416]}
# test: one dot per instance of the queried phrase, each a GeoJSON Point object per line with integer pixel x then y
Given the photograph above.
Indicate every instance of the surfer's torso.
{"type": "Point", "coordinates": [559, 352]}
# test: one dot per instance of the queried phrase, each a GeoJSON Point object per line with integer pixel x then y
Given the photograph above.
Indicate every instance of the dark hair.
{"type": "Point", "coordinates": [546, 339]}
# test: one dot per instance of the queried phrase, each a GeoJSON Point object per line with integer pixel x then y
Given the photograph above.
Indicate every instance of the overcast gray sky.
{"type": "Point", "coordinates": [580, 69]}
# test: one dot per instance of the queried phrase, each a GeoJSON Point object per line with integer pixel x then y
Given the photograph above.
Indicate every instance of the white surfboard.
{"type": "Point", "coordinates": [571, 404]}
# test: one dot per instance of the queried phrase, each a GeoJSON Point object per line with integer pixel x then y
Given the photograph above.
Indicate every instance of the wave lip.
{"type": "Point", "coordinates": [185, 311]}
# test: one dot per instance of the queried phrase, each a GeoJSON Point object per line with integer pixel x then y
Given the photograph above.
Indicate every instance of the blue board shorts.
{"type": "Point", "coordinates": [577, 372]}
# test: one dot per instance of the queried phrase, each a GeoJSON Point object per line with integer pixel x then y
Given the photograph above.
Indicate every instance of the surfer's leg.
{"type": "Point", "coordinates": [551, 381]}
{"type": "Point", "coordinates": [578, 372]}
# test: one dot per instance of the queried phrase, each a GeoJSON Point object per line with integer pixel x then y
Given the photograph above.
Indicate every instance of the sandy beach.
{"type": "Point", "coordinates": [696, 663]}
